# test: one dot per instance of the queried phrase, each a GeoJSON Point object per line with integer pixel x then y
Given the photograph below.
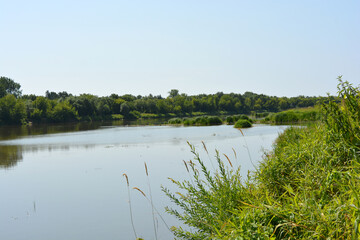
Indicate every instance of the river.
{"type": "Point", "coordinates": [66, 182]}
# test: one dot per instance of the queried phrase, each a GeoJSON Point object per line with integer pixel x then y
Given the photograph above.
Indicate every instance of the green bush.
{"type": "Point", "coordinates": [134, 115]}
{"type": "Point", "coordinates": [295, 116]}
{"type": "Point", "coordinates": [175, 121]}
{"type": "Point", "coordinates": [243, 123]}
{"type": "Point", "coordinates": [202, 121]}
{"type": "Point", "coordinates": [214, 121]}
{"type": "Point", "coordinates": [117, 117]}
{"type": "Point", "coordinates": [230, 120]}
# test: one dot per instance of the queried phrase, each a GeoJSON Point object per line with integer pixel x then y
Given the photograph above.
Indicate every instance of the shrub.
{"type": "Point", "coordinates": [133, 115]}
{"type": "Point", "coordinates": [175, 121]}
{"type": "Point", "coordinates": [202, 121]}
{"type": "Point", "coordinates": [214, 121]}
{"type": "Point", "coordinates": [117, 117]}
{"type": "Point", "coordinates": [243, 123]}
{"type": "Point", "coordinates": [230, 120]}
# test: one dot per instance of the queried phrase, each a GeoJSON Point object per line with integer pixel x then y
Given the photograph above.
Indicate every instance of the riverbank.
{"type": "Point", "coordinates": [308, 187]}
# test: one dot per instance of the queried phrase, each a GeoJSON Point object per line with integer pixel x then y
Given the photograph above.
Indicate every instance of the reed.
{"type": "Point", "coordinates": [130, 208]}
{"type": "Point", "coordinates": [151, 201]}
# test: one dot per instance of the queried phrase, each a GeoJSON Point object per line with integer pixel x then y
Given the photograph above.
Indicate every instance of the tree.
{"type": "Point", "coordinates": [51, 95]}
{"type": "Point", "coordinates": [8, 86]}
{"type": "Point", "coordinates": [44, 107]}
{"type": "Point", "coordinates": [64, 112]}
{"type": "Point", "coordinates": [12, 110]}
{"type": "Point", "coordinates": [173, 93]}
{"type": "Point", "coordinates": [124, 108]}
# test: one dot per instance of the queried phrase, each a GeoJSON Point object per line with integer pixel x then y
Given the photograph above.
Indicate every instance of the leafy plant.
{"type": "Point", "coordinates": [243, 123]}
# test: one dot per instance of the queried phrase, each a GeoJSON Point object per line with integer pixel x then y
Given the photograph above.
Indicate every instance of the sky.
{"type": "Point", "coordinates": [277, 47]}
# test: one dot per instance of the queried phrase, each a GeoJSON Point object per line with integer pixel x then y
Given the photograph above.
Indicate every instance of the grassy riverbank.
{"type": "Point", "coordinates": [308, 187]}
{"type": "Point", "coordinates": [294, 116]}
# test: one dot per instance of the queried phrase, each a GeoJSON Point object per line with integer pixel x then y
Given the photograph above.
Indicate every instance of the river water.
{"type": "Point", "coordinates": [66, 182]}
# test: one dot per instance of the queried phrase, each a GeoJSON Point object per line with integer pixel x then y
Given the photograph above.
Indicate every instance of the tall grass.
{"type": "Point", "coordinates": [307, 187]}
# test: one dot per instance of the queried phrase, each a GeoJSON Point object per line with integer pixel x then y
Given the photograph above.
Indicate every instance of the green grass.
{"type": "Point", "coordinates": [307, 187]}
{"type": "Point", "coordinates": [300, 115]}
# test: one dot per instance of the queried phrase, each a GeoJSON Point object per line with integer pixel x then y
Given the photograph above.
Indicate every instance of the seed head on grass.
{"type": "Point", "coordinates": [146, 169]}
{"type": "Point", "coordinates": [205, 147]}
{"type": "Point", "coordinates": [127, 179]}
{"type": "Point", "coordinates": [186, 166]}
{"type": "Point", "coordinates": [138, 189]}
{"type": "Point", "coordinates": [228, 159]}
{"type": "Point", "coordinates": [234, 153]}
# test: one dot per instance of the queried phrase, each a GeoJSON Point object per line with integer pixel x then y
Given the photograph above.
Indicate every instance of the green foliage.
{"type": "Point", "coordinates": [202, 121]}
{"type": "Point", "coordinates": [150, 115]}
{"type": "Point", "coordinates": [85, 104]}
{"type": "Point", "coordinates": [295, 116]}
{"type": "Point", "coordinates": [308, 187]}
{"type": "Point", "coordinates": [214, 120]}
{"type": "Point", "coordinates": [8, 86]}
{"type": "Point", "coordinates": [117, 117]}
{"type": "Point", "coordinates": [59, 95]}
{"type": "Point", "coordinates": [125, 109]}
{"type": "Point", "coordinates": [230, 120]}
{"type": "Point", "coordinates": [134, 114]}
{"type": "Point", "coordinates": [12, 110]}
{"type": "Point", "coordinates": [42, 107]}
{"type": "Point", "coordinates": [175, 121]}
{"type": "Point", "coordinates": [92, 107]}
{"type": "Point", "coordinates": [242, 123]}
{"type": "Point", "coordinates": [262, 115]}
{"type": "Point", "coordinates": [173, 93]}
{"type": "Point", "coordinates": [64, 112]}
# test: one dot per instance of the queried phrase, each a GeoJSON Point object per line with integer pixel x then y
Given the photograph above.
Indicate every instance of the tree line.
{"type": "Point", "coordinates": [16, 108]}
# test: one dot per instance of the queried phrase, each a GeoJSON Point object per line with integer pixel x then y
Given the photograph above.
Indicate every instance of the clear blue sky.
{"type": "Point", "coordinates": [275, 47]}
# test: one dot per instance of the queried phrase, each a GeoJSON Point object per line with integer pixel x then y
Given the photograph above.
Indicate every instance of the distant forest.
{"type": "Point", "coordinates": [16, 108]}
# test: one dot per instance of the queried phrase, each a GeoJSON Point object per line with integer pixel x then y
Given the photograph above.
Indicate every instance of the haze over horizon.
{"type": "Point", "coordinates": [277, 48]}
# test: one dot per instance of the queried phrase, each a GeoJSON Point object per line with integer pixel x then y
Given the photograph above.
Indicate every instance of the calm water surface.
{"type": "Point", "coordinates": [61, 183]}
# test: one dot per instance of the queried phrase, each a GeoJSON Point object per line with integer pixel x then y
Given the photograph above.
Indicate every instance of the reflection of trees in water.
{"type": "Point", "coordinates": [10, 155]}
{"type": "Point", "coordinates": [14, 132]}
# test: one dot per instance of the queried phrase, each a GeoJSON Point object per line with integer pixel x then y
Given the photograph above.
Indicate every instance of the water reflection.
{"type": "Point", "coordinates": [14, 132]}
{"type": "Point", "coordinates": [10, 155]}
{"type": "Point", "coordinates": [16, 141]}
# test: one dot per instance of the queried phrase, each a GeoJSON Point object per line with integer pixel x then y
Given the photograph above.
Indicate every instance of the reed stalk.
{"type": "Point", "coordinates": [130, 208]}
